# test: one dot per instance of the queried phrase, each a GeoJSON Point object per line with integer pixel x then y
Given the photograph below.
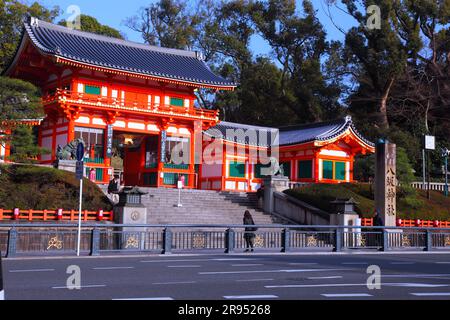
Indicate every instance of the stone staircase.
{"type": "Point", "coordinates": [202, 207]}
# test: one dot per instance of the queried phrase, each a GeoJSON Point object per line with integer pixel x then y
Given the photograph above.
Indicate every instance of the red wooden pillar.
{"type": "Point", "coordinates": [316, 166]}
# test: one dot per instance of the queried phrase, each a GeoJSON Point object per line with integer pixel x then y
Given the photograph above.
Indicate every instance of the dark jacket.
{"type": "Point", "coordinates": [377, 221]}
{"type": "Point", "coordinates": [249, 221]}
{"type": "Point", "coordinates": [113, 186]}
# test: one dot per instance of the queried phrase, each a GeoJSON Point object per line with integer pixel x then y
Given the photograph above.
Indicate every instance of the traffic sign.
{"type": "Point", "coordinates": [79, 170]}
{"type": "Point", "coordinates": [80, 151]}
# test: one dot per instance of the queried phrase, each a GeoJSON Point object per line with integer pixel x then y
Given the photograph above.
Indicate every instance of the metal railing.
{"type": "Point", "coordinates": [46, 239]}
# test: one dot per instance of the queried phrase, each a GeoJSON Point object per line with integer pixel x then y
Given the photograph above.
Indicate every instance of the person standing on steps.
{"type": "Point", "coordinates": [249, 234]}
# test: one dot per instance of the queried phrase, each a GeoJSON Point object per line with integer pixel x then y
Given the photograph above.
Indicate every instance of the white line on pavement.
{"type": "Point", "coordinates": [253, 280]}
{"type": "Point", "coordinates": [401, 263]}
{"type": "Point", "coordinates": [262, 296]}
{"type": "Point", "coordinates": [302, 263]}
{"type": "Point", "coordinates": [443, 262]}
{"type": "Point", "coordinates": [270, 271]}
{"type": "Point", "coordinates": [112, 268]}
{"type": "Point", "coordinates": [156, 298]}
{"type": "Point", "coordinates": [2, 295]}
{"type": "Point", "coordinates": [32, 270]}
{"type": "Point", "coordinates": [346, 295]}
{"type": "Point", "coordinates": [83, 287]}
{"type": "Point", "coordinates": [234, 259]}
{"type": "Point", "coordinates": [329, 285]}
{"type": "Point", "coordinates": [414, 275]}
{"type": "Point", "coordinates": [331, 277]}
{"type": "Point", "coordinates": [168, 283]}
{"type": "Point", "coordinates": [355, 263]}
{"type": "Point", "coordinates": [193, 260]}
{"type": "Point", "coordinates": [247, 265]}
{"type": "Point", "coordinates": [184, 266]}
{"type": "Point", "coordinates": [432, 294]}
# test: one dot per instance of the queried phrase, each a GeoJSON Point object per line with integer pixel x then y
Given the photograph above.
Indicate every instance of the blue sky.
{"type": "Point", "coordinates": [113, 13]}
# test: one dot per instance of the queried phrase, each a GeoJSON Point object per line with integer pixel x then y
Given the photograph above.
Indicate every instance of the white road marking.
{"type": "Point", "coordinates": [355, 263]}
{"type": "Point", "coordinates": [253, 280]}
{"type": "Point", "coordinates": [331, 277]}
{"type": "Point", "coordinates": [329, 285]}
{"type": "Point", "coordinates": [247, 265]}
{"type": "Point", "coordinates": [234, 259]}
{"type": "Point", "coordinates": [414, 275]}
{"type": "Point", "coordinates": [270, 271]}
{"type": "Point", "coordinates": [169, 283]}
{"type": "Point", "coordinates": [432, 294]}
{"type": "Point", "coordinates": [400, 263]}
{"type": "Point", "coordinates": [32, 270]}
{"type": "Point", "coordinates": [443, 262]}
{"type": "Point", "coordinates": [2, 295]}
{"type": "Point", "coordinates": [302, 263]}
{"type": "Point", "coordinates": [170, 261]}
{"type": "Point", "coordinates": [184, 266]}
{"type": "Point", "coordinates": [262, 296]}
{"type": "Point", "coordinates": [83, 287]}
{"type": "Point", "coordinates": [156, 298]}
{"type": "Point", "coordinates": [346, 295]}
{"type": "Point", "coordinates": [111, 268]}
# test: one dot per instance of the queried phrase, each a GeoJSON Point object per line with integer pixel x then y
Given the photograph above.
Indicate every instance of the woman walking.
{"type": "Point", "coordinates": [249, 234]}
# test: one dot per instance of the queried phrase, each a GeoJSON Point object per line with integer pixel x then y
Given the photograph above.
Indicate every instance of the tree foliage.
{"type": "Point", "coordinates": [91, 24]}
{"type": "Point", "coordinates": [12, 15]}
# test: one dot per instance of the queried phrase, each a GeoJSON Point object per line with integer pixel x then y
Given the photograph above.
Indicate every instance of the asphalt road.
{"type": "Point", "coordinates": [231, 277]}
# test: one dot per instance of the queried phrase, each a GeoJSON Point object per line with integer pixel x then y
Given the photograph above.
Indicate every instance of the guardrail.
{"type": "Point", "coordinates": [368, 222]}
{"type": "Point", "coordinates": [44, 239]}
{"type": "Point", "coordinates": [59, 214]}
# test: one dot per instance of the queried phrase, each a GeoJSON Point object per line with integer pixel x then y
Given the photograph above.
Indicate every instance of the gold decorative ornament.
{"type": "Point", "coordinates": [198, 240]}
{"type": "Point", "coordinates": [311, 241]}
{"type": "Point", "coordinates": [54, 243]}
{"type": "Point", "coordinates": [406, 242]}
{"type": "Point", "coordinates": [259, 241]}
{"type": "Point", "coordinates": [447, 241]}
{"type": "Point", "coordinates": [132, 242]}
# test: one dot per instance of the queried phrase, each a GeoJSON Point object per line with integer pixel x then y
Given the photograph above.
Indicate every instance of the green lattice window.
{"type": "Point", "coordinates": [92, 90]}
{"type": "Point", "coordinates": [339, 170]}
{"type": "Point", "coordinates": [305, 169]}
{"type": "Point", "coordinates": [258, 170]}
{"type": "Point", "coordinates": [327, 170]}
{"type": "Point", "coordinates": [286, 168]}
{"type": "Point", "coordinates": [237, 169]}
{"type": "Point", "coordinates": [177, 102]}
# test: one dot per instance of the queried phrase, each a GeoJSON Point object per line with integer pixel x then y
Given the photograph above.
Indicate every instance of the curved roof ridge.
{"type": "Point", "coordinates": [35, 22]}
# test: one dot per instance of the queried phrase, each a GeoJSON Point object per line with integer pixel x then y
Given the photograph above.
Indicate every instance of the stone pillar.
{"type": "Point", "coordinates": [386, 182]}
{"type": "Point", "coordinates": [272, 184]}
{"type": "Point", "coordinates": [130, 210]}
{"type": "Point", "coordinates": [344, 215]}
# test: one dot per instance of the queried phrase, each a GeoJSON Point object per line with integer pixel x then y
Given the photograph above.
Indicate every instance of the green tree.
{"type": "Point", "coordinates": [91, 24]}
{"type": "Point", "coordinates": [24, 148]}
{"type": "Point", "coordinates": [12, 15]}
{"type": "Point", "coordinates": [166, 23]}
{"type": "Point", "coordinates": [18, 100]}
{"type": "Point", "coordinates": [299, 45]}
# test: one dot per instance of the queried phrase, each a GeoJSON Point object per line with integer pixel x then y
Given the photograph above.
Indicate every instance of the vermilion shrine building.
{"type": "Point", "coordinates": [104, 89]}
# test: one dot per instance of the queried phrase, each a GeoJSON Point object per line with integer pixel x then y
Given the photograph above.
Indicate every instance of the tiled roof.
{"type": "Point", "coordinates": [242, 133]}
{"type": "Point", "coordinates": [318, 132]}
{"type": "Point", "coordinates": [121, 55]}
{"type": "Point", "coordinates": [293, 134]}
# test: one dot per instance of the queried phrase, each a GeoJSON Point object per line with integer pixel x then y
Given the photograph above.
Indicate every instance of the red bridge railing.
{"type": "Point", "coordinates": [51, 215]}
{"type": "Point", "coordinates": [368, 222]}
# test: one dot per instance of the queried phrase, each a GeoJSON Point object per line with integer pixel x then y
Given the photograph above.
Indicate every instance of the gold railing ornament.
{"type": "Point", "coordinates": [199, 240]}
{"type": "Point", "coordinates": [406, 242]}
{"type": "Point", "coordinates": [54, 243]}
{"type": "Point", "coordinates": [259, 241]}
{"type": "Point", "coordinates": [447, 241]}
{"type": "Point", "coordinates": [311, 241]}
{"type": "Point", "coordinates": [132, 243]}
